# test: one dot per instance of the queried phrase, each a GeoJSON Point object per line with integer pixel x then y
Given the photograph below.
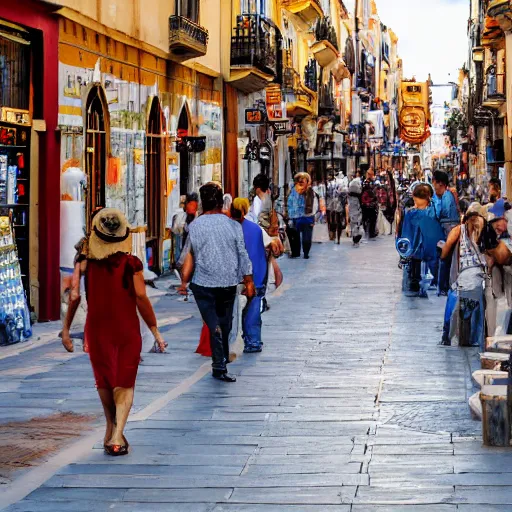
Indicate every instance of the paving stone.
{"type": "Point", "coordinates": [301, 430]}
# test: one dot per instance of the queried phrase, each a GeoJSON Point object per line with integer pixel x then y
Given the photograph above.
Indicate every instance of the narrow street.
{"type": "Point", "coordinates": [352, 406]}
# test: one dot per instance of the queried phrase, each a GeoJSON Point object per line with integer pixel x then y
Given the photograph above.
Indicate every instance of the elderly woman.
{"type": "Point", "coordinates": [115, 288]}
{"type": "Point", "coordinates": [302, 207]}
{"type": "Point", "coordinates": [476, 249]}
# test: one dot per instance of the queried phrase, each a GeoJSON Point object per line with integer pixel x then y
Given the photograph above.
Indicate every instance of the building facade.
{"type": "Point", "coordinates": [134, 105]}
{"type": "Point", "coordinates": [487, 103]}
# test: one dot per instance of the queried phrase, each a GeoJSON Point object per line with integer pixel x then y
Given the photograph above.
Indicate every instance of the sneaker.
{"type": "Point", "coordinates": [252, 350]}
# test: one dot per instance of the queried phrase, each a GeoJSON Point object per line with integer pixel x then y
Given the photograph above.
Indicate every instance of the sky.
{"type": "Point", "coordinates": [432, 35]}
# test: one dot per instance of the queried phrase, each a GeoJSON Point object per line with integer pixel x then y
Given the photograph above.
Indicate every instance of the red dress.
{"type": "Point", "coordinates": [112, 327]}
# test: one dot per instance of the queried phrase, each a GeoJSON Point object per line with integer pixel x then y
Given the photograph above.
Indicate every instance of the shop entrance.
{"type": "Point", "coordinates": [155, 185]}
{"type": "Point", "coordinates": [183, 131]}
{"type": "Point", "coordinates": [96, 142]}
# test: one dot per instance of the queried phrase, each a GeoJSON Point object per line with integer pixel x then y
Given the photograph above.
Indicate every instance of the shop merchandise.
{"type": "Point", "coordinates": [14, 314]}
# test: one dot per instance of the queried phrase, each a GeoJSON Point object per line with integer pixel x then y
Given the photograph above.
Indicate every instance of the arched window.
{"type": "Point", "coordinates": [183, 131]}
{"type": "Point", "coordinates": [97, 135]}
{"type": "Point", "coordinates": [155, 180]}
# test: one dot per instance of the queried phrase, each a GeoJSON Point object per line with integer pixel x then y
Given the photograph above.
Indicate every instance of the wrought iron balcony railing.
{"type": "Point", "coordinates": [256, 42]}
{"type": "Point", "coordinates": [186, 38]}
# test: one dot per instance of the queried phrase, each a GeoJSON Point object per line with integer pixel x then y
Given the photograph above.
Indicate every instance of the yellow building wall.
{"type": "Point", "coordinates": [147, 21]}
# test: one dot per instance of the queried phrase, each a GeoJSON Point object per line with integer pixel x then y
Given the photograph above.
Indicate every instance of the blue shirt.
{"type": "Point", "coordinates": [424, 232]}
{"type": "Point", "coordinates": [220, 257]}
{"type": "Point", "coordinates": [446, 207]}
{"type": "Point", "coordinates": [296, 205]}
{"type": "Point", "coordinates": [254, 244]}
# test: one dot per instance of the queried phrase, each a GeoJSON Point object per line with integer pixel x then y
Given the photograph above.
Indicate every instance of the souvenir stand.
{"type": "Point", "coordinates": [14, 227]}
{"type": "Point", "coordinates": [14, 315]}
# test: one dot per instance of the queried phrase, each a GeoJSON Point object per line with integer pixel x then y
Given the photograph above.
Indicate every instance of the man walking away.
{"type": "Point", "coordinates": [217, 262]}
{"type": "Point", "coordinates": [445, 206]}
{"type": "Point", "coordinates": [370, 205]}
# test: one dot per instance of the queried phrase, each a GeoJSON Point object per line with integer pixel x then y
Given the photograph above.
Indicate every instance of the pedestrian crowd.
{"type": "Point", "coordinates": [226, 255]}
{"type": "Point", "coordinates": [459, 250]}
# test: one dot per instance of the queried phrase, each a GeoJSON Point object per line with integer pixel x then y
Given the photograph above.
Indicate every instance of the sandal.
{"type": "Point", "coordinates": [116, 450]}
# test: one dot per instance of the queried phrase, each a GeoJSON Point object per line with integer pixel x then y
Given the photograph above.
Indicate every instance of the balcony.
{"type": "Point", "coordinates": [494, 90]}
{"type": "Point", "coordinates": [187, 40]}
{"type": "Point", "coordinates": [325, 50]}
{"type": "Point", "coordinates": [501, 11]}
{"type": "Point", "coordinates": [301, 101]}
{"type": "Point", "coordinates": [308, 10]}
{"type": "Point", "coordinates": [255, 53]}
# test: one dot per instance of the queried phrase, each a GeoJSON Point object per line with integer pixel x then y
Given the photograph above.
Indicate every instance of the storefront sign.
{"type": "Point", "coordinates": [281, 127]}
{"type": "Point", "coordinates": [254, 116]}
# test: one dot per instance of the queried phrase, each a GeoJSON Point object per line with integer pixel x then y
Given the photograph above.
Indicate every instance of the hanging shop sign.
{"type": "Point", "coordinates": [414, 118]}
{"type": "Point", "coordinates": [274, 101]}
{"type": "Point", "coordinates": [254, 116]}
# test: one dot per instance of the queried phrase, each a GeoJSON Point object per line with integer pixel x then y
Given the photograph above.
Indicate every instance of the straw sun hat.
{"type": "Point", "coordinates": [110, 234]}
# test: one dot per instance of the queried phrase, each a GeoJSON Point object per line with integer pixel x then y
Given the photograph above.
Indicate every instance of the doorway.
{"type": "Point", "coordinates": [155, 185]}
{"type": "Point", "coordinates": [183, 131]}
{"type": "Point", "coordinates": [96, 141]}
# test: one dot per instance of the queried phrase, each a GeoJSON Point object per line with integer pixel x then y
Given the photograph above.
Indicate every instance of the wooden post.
{"type": "Point", "coordinates": [495, 416]}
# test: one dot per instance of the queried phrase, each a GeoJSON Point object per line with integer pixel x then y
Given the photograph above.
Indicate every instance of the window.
{"type": "Point", "coordinates": [96, 138]}
{"type": "Point", "coordinates": [188, 9]}
{"type": "Point", "coordinates": [155, 170]}
{"type": "Point", "coordinates": [255, 7]}
{"type": "Point", "coordinates": [14, 66]}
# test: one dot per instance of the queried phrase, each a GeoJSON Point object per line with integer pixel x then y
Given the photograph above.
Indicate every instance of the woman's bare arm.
{"type": "Point", "coordinates": [452, 240]}
{"type": "Point", "coordinates": [146, 309]}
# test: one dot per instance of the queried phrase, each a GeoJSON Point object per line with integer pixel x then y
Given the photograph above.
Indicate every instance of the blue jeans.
{"type": "Point", "coordinates": [304, 226]}
{"type": "Point", "coordinates": [472, 319]}
{"type": "Point", "coordinates": [251, 320]}
{"type": "Point", "coordinates": [216, 308]}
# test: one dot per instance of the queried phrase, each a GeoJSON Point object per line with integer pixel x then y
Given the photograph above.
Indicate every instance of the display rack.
{"type": "Point", "coordinates": [14, 314]}
{"type": "Point", "coordinates": [15, 189]}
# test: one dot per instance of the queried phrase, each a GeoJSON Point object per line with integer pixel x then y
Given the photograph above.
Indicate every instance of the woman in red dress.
{"type": "Point", "coordinates": [115, 290]}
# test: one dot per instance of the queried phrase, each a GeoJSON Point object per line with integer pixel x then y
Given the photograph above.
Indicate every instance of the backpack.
{"type": "Point", "coordinates": [368, 197]}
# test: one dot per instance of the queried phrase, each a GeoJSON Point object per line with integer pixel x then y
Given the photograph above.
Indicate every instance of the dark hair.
{"type": "Point", "coordinates": [422, 191]}
{"type": "Point", "coordinates": [441, 177]}
{"type": "Point", "coordinates": [262, 182]}
{"type": "Point", "coordinates": [495, 182]}
{"type": "Point", "coordinates": [192, 196]}
{"type": "Point", "coordinates": [235, 214]}
{"type": "Point", "coordinates": [212, 197]}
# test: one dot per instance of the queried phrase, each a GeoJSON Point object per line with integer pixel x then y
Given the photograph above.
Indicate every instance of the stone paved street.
{"type": "Point", "coordinates": [352, 406]}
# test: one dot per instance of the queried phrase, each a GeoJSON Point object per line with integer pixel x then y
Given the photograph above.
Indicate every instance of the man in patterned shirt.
{"type": "Point", "coordinates": [216, 263]}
